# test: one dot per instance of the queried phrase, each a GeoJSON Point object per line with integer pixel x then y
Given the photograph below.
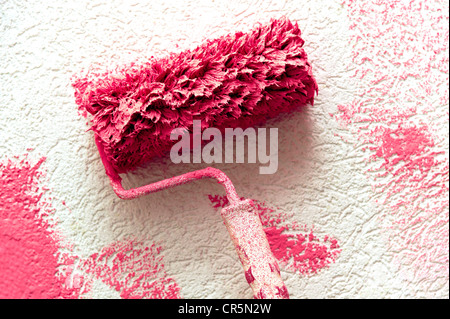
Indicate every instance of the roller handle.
{"type": "Point", "coordinates": [260, 266]}
{"type": "Point", "coordinates": [241, 219]}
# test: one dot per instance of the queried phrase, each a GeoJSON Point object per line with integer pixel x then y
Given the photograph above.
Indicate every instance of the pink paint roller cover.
{"type": "Point", "coordinates": [238, 80]}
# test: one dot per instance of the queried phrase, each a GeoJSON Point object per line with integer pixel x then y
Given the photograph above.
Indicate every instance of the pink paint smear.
{"type": "Point", "coordinates": [29, 252]}
{"type": "Point", "coordinates": [400, 52]}
{"type": "Point", "coordinates": [134, 270]}
{"type": "Point", "coordinates": [296, 247]}
{"type": "Point", "coordinates": [32, 265]}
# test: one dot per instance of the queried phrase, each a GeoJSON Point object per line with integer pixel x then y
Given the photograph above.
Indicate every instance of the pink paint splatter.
{"type": "Point", "coordinates": [30, 260]}
{"type": "Point", "coordinates": [295, 247]}
{"type": "Point", "coordinates": [32, 265]}
{"type": "Point", "coordinates": [400, 50]}
{"type": "Point", "coordinates": [134, 270]}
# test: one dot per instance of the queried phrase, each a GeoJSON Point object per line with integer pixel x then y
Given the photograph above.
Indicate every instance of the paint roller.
{"type": "Point", "coordinates": [238, 80]}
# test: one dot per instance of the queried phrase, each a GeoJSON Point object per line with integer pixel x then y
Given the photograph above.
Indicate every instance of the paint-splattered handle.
{"type": "Point", "coordinates": [261, 268]}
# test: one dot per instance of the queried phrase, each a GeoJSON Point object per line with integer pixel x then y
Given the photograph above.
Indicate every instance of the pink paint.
{"type": "Point", "coordinates": [295, 247]}
{"type": "Point", "coordinates": [32, 265]}
{"type": "Point", "coordinates": [304, 252]}
{"type": "Point", "coordinates": [403, 57]}
{"type": "Point", "coordinates": [133, 269]}
{"type": "Point", "coordinates": [30, 261]}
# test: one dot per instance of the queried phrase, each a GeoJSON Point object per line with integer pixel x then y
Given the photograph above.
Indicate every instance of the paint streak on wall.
{"type": "Point", "coordinates": [31, 262]}
{"type": "Point", "coordinates": [400, 55]}
{"type": "Point", "coordinates": [296, 247]}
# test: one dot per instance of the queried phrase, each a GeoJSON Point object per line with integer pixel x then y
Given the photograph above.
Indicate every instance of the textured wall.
{"type": "Point", "coordinates": [358, 207]}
